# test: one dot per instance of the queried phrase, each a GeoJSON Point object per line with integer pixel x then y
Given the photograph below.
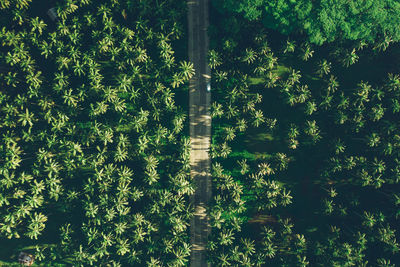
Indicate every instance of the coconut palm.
{"type": "Point", "coordinates": [373, 140]}
{"type": "Point", "coordinates": [187, 70]}
{"type": "Point", "coordinates": [349, 58]}
{"type": "Point", "coordinates": [377, 112]}
{"type": "Point", "coordinates": [121, 154]}
{"type": "Point", "coordinates": [78, 68]}
{"type": "Point", "coordinates": [339, 146]}
{"type": "Point", "coordinates": [383, 44]}
{"type": "Point", "coordinates": [307, 52]}
{"type": "Point", "coordinates": [290, 46]}
{"type": "Point", "coordinates": [26, 118]}
{"type": "Point", "coordinates": [241, 125]}
{"type": "Point", "coordinates": [70, 99]}
{"type": "Point", "coordinates": [258, 118]}
{"type": "Point", "coordinates": [225, 150]}
{"type": "Point", "coordinates": [271, 60]}
{"type": "Point", "coordinates": [141, 55]}
{"type": "Point", "coordinates": [294, 76]}
{"type": "Point", "coordinates": [38, 25]}
{"type": "Point", "coordinates": [312, 130]}
{"type": "Point", "coordinates": [272, 78]}
{"type": "Point", "coordinates": [230, 133]}
{"type": "Point", "coordinates": [177, 80]}
{"type": "Point", "coordinates": [249, 56]}
{"type": "Point", "coordinates": [326, 102]}
{"type": "Point", "coordinates": [394, 105]}
{"type": "Point", "coordinates": [324, 67]}
{"type": "Point", "coordinates": [303, 93]}
{"type": "Point", "coordinates": [214, 59]}
{"type": "Point", "coordinates": [216, 110]}
{"type": "Point", "coordinates": [311, 107]}
{"type": "Point", "coordinates": [63, 62]}
{"type": "Point", "coordinates": [232, 111]}
{"type": "Point", "coordinates": [333, 84]}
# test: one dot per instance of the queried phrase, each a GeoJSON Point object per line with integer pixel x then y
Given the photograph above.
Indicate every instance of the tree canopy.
{"type": "Point", "coordinates": [324, 20]}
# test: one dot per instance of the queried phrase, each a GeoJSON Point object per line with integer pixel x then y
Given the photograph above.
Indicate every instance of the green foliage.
{"type": "Point", "coordinates": [311, 164]}
{"type": "Point", "coordinates": [93, 147]}
{"type": "Point", "coordinates": [323, 21]}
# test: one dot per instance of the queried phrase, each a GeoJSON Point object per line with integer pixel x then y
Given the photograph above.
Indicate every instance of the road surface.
{"type": "Point", "coordinates": [200, 128]}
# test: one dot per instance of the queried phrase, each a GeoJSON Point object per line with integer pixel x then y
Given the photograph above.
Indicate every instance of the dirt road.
{"type": "Point", "coordinates": [200, 128]}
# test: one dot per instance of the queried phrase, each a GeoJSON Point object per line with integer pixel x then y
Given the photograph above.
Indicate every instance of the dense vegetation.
{"type": "Point", "coordinates": [305, 151]}
{"type": "Point", "coordinates": [94, 149]}
{"type": "Point", "coordinates": [94, 140]}
{"type": "Point", "coordinates": [323, 20]}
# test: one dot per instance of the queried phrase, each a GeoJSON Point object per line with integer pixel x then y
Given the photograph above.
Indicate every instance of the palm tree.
{"type": "Point", "coordinates": [141, 55]}
{"type": "Point", "coordinates": [270, 123]}
{"type": "Point", "coordinates": [339, 146]}
{"type": "Point", "coordinates": [244, 166]}
{"type": "Point", "coordinates": [230, 133]}
{"type": "Point", "coordinates": [119, 105]}
{"type": "Point", "coordinates": [290, 46]}
{"type": "Point", "coordinates": [326, 101]}
{"type": "Point", "coordinates": [286, 198]}
{"type": "Point", "coordinates": [226, 237]}
{"type": "Point", "coordinates": [258, 118]}
{"type": "Point", "coordinates": [121, 154]}
{"type": "Point", "coordinates": [36, 225]}
{"type": "Point", "coordinates": [312, 130]}
{"type": "Point", "coordinates": [168, 97]}
{"type": "Point", "coordinates": [249, 56]}
{"type": "Point", "coordinates": [187, 70]}
{"type": "Point", "coordinates": [46, 49]}
{"type": "Point", "coordinates": [123, 246]}
{"type": "Point", "coordinates": [35, 200]}
{"type": "Point", "coordinates": [177, 80]}
{"type": "Point", "coordinates": [294, 77]}
{"type": "Point", "coordinates": [377, 112]}
{"type": "Point", "coordinates": [324, 67]}
{"type": "Point", "coordinates": [307, 52]}
{"type": "Point", "coordinates": [382, 45]}
{"type": "Point", "coordinates": [26, 118]}
{"type": "Point", "coordinates": [11, 79]}
{"type": "Point", "coordinates": [143, 143]}
{"type": "Point", "coordinates": [333, 84]}
{"type": "Point", "coordinates": [153, 262]}
{"type": "Point", "coordinates": [225, 150]}
{"type": "Point", "coordinates": [265, 169]}
{"type": "Point", "coordinates": [70, 99]}
{"type": "Point", "coordinates": [293, 131]}
{"type": "Point", "coordinates": [349, 58]}
{"type": "Point", "coordinates": [232, 111]}
{"type": "Point", "coordinates": [214, 59]}
{"type": "Point", "coordinates": [78, 68]}
{"type": "Point", "coordinates": [384, 263]}
{"type": "Point", "coordinates": [378, 166]}
{"type": "Point", "coordinates": [311, 107]}
{"type": "Point", "coordinates": [373, 140]}
{"type": "Point", "coordinates": [304, 93]}
{"type": "Point", "coordinates": [393, 82]}
{"type": "Point", "coordinates": [241, 125]}
{"type": "Point", "coordinates": [282, 160]}
{"type": "Point", "coordinates": [271, 60]}
{"type": "Point", "coordinates": [272, 77]}
{"type": "Point", "coordinates": [63, 62]}
{"type": "Point", "coordinates": [37, 25]}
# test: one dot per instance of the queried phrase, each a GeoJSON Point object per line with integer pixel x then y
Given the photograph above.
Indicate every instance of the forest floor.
{"type": "Point", "coordinates": [200, 128]}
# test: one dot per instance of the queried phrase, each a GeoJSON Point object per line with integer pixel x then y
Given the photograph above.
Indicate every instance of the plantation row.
{"type": "Point", "coordinates": [94, 149]}
{"type": "Point", "coordinates": [305, 170]}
